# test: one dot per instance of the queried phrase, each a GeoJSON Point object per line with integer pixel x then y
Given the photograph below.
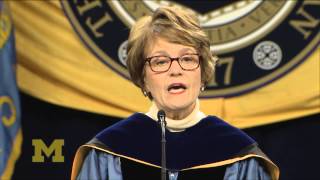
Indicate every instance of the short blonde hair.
{"type": "Point", "coordinates": [176, 26]}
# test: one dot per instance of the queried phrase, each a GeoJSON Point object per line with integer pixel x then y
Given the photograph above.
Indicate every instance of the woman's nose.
{"type": "Point", "coordinates": [175, 68]}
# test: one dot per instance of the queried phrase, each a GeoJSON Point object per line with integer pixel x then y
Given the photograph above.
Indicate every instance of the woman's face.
{"type": "Point", "coordinates": [176, 90]}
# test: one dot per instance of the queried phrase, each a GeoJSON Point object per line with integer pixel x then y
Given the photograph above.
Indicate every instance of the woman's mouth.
{"type": "Point", "coordinates": [176, 88]}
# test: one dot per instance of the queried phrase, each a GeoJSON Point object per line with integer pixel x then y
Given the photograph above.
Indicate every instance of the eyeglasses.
{"type": "Point", "coordinates": [187, 62]}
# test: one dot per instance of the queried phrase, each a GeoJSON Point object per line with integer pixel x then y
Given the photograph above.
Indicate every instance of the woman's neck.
{"type": "Point", "coordinates": [180, 114]}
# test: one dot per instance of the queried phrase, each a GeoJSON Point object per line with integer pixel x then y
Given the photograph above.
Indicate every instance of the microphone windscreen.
{"type": "Point", "coordinates": [161, 113]}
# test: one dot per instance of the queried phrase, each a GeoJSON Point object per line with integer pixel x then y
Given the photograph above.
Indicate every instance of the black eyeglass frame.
{"type": "Point", "coordinates": [148, 59]}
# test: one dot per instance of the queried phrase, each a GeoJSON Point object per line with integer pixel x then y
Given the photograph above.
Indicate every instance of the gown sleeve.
{"type": "Point", "coordinates": [247, 169]}
{"type": "Point", "coordinates": [100, 165]}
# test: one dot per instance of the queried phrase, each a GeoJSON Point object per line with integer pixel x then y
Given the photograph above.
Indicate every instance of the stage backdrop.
{"type": "Point", "coordinates": [72, 53]}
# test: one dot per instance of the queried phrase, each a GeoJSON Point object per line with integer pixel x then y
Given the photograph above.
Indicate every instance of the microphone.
{"type": "Point", "coordinates": [161, 116]}
{"type": "Point", "coordinates": [162, 121]}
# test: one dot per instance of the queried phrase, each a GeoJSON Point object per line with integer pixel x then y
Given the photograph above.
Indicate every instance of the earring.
{"type": "Point", "coordinates": [145, 93]}
{"type": "Point", "coordinates": [202, 88]}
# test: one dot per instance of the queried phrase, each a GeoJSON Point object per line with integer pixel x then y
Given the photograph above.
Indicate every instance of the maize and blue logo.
{"type": "Point", "coordinates": [257, 41]}
{"type": "Point", "coordinates": [41, 150]}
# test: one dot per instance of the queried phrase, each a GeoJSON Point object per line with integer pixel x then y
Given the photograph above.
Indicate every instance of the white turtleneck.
{"type": "Point", "coordinates": [178, 125]}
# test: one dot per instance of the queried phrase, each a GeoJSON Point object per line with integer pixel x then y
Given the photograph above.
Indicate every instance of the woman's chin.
{"type": "Point", "coordinates": [179, 106]}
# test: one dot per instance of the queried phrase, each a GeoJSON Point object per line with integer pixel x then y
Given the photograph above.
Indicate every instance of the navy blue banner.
{"type": "Point", "coordinates": [10, 133]}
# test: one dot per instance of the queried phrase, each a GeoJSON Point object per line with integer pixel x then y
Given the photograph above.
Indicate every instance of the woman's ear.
{"type": "Point", "coordinates": [202, 87]}
{"type": "Point", "coordinates": [146, 91]}
{"type": "Point", "coordinates": [145, 84]}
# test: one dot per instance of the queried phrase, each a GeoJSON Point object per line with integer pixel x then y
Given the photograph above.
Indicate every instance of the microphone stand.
{"type": "Point", "coordinates": [163, 124]}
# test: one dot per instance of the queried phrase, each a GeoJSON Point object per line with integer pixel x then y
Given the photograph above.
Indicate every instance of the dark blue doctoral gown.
{"type": "Point", "coordinates": [211, 149]}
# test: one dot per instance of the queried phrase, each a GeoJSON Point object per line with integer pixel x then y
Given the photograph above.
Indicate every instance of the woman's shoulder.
{"type": "Point", "coordinates": [216, 121]}
{"type": "Point", "coordinates": [217, 127]}
{"type": "Point", "coordinates": [134, 119]}
{"type": "Point", "coordinates": [132, 124]}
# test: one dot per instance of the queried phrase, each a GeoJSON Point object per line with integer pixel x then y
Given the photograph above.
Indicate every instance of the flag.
{"type": "Point", "coordinates": [70, 54]}
{"type": "Point", "coordinates": [10, 128]}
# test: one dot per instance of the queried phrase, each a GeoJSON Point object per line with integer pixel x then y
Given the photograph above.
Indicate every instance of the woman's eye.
{"type": "Point", "coordinates": [187, 59]}
{"type": "Point", "coordinates": [160, 62]}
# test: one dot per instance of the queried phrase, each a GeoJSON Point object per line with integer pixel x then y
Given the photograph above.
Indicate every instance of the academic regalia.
{"type": "Point", "coordinates": [211, 149]}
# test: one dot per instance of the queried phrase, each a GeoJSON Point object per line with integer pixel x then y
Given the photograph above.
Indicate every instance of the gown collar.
{"type": "Point", "coordinates": [178, 125]}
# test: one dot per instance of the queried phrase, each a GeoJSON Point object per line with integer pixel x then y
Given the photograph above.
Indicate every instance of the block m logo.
{"type": "Point", "coordinates": [55, 148]}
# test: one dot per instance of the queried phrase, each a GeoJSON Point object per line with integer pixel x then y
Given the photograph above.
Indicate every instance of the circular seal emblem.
{"type": "Point", "coordinates": [5, 24]}
{"type": "Point", "coordinates": [267, 55]}
{"type": "Point", "coordinates": [257, 41]}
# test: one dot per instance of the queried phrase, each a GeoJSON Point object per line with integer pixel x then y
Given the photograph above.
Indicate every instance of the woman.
{"type": "Point", "coordinates": [170, 60]}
